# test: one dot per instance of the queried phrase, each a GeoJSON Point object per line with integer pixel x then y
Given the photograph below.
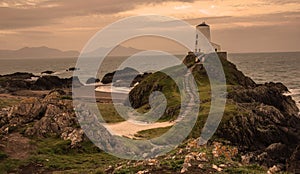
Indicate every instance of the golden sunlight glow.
{"type": "Point", "coordinates": [69, 24]}
{"type": "Point", "coordinates": [198, 9]}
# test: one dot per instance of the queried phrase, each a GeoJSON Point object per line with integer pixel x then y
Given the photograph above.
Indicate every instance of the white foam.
{"type": "Point", "coordinates": [294, 92]}
{"type": "Point", "coordinates": [112, 89]}
{"type": "Point", "coordinates": [94, 84]}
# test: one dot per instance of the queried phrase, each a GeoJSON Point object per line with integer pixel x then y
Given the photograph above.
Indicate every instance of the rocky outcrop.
{"type": "Point", "coordinates": [124, 74]}
{"type": "Point", "coordinates": [27, 81]}
{"type": "Point", "coordinates": [108, 78]}
{"type": "Point", "coordinates": [51, 82]}
{"type": "Point", "coordinates": [72, 69]}
{"type": "Point", "coordinates": [92, 80]}
{"type": "Point", "coordinates": [235, 76]}
{"type": "Point", "coordinates": [47, 72]}
{"type": "Point", "coordinates": [50, 116]}
{"type": "Point", "coordinates": [232, 74]}
{"type": "Point", "coordinates": [17, 75]}
{"type": "Point", "coordinates": [189, 60]}
{"type": "Point", "coordinates": [124, 78]}
{"type": "Point", "coordinates": [294, 161]}
{"type": "Point", "coordinates": [268, 94]}
{"type": "Point", "coordinates": [139, 95]}
{"type": "Point", "coordinates": [15, 81]}
{"type": "Point", "coordinates": [266, 124]}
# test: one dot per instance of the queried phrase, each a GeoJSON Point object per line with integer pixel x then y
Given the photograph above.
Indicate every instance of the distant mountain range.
{"type": "Point", "coordinates": [45, 52]}
{"type": "Point", "coordinates": [117, 51]}
{"type": "Point", "coordinates": [37, 52]}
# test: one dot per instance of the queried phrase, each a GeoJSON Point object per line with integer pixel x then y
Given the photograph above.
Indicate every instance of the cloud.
{"type": "Point", "coordinates": [16, 14]}
{"type": "Point", "coordinates": [272, 19]}
{"type": "Point", "coordinates": [259, 39]}
{"type": "Point", "coordinates": [281, 2]}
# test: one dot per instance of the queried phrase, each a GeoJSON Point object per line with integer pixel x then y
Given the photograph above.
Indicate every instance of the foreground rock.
{"type": "Point", "coordinates": [54, 116]}
{"type": "Point", "coordinates": [50, 116]}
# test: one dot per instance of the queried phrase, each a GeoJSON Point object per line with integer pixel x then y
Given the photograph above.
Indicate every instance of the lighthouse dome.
{"type": "Point", "coordinates": [203, 24]}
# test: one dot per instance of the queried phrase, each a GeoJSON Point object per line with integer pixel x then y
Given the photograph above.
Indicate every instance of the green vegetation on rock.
{"type": "Point", "coordinates": [109, 113]}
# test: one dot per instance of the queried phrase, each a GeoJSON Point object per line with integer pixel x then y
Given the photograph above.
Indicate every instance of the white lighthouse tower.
{"type": "Point", "coordinates": [205, 30]}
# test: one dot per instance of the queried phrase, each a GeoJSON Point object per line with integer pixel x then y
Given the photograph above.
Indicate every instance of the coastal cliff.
{"type": "Point", "coordinates": [259, 119]}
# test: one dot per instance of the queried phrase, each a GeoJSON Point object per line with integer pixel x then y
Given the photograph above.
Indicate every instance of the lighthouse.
{"type": "Point", "coordinates": [205, 30]}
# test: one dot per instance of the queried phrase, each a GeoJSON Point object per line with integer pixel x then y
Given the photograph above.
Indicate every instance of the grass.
{"type": "Point", "coordinates": [9, 165]}
{"type": "Point", "coordinates": [3, 155]}
{"type": "Point", "coordinates": [173, 165]}
{"type": "Point", "coordinates": [246, 169]}
{"type": "Point", "coordinates": [56, 154]}
{"type": "Point", "coordinates": [110, 114]}
{"type": "Point", "coordinates": [165, 85]}
{"type": "Point", "coordinates": [66, 97]}
{"type": "Point", "coordinates": [83, 162]}
{"type": "Point", "coordinates": [152, 133]}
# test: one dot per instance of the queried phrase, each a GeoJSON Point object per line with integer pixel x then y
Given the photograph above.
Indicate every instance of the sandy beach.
{"type": "Point", "coordinates": [130, 128]}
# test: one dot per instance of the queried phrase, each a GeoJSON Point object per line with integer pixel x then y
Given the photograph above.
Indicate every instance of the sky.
{"type": "Point", "coordinates": [237, 25]}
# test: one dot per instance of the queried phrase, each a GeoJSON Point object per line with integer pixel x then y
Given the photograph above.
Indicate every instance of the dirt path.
{"type": "Point", "coordinates": [129, 128]}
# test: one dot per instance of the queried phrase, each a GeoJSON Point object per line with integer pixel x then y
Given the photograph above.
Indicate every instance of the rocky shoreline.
{"type": "Point", "coordinates": [262, 126]}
